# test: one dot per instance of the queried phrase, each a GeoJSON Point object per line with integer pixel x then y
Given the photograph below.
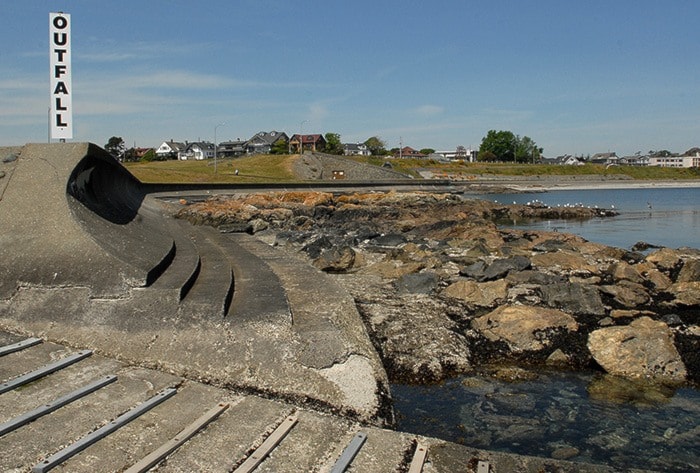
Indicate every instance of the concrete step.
{"type": "Point", "coordinates": [182, 272]}
{"type": "Point", "coordinates": [258, 293]}
{"type": "Point", "coordinates": [212, 291]}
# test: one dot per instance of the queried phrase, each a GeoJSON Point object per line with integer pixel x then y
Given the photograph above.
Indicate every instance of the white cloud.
{"type": "Point", "coordinates": [429, 110]}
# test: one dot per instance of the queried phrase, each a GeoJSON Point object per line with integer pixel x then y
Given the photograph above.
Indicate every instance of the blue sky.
{"type": "Point", "coordinates": [577, 77]}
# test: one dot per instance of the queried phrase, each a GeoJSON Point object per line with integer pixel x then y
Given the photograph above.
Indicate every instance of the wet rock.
{"type": "Point", "coordinates": [522, 327]}
{"type": "Point", "coordinates": [574, 298]}
{"type": "Point", "coordinates": [622, 390]}
{"type": "Point", "coordinates": [565, 453]}
{"type": "Point", "coordinates": [564, 262]}
{"type": "Point", "coordinates": [474, 270]}
{"type": "Point", "coordinates": [622, 271]}
{"type": "Point", "coordinates": [643, 246]}
{"type": "Point", "coordinates": [257, 225]}
{"type": "Point", "coordinates": [643, 349]}
{"type": "Point", "coordinates": [534, 277]}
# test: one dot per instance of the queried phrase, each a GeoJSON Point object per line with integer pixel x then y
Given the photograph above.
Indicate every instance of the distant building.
{"type": "Point", "coordinates": [356, 149]}
{"type": "Point", "coordinates": [301, 143]}
{"type": "Point", "coordinates": [460, 154]}
{"type": "Point", "coordinates": [263, 142]}
{"type": "Point", "coordinates": [233, 148]}
{"type": "Point", "coordinates": [408, 152]}
{"type": "Point", "coordinates": [676, 161]}
{"type": "Point", "coordinates": [604, 158]}
{"type": "Point", "coordinates": [198, 150]}
{"type": "Point", "coordinates": [170, 149]}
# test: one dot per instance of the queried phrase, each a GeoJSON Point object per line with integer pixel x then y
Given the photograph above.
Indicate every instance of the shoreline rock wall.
{"type": "Point", "coordinates": [443, 290]}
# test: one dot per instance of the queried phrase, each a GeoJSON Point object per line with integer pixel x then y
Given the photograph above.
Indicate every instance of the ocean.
{"type": "Point", "coordinates": [559, 414]}
{"type": "Point", "coordinates": [661, 216]}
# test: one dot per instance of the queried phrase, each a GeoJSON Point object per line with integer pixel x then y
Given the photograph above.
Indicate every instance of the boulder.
{"type": "Point", "coordinates": [336, 260]}
{"type": "Point", "coordinates": [690, 271]}
{"type": "Point", "coordinates": [564, 261]}
{"type": "Point", "coordinates": [621, 271]}
{"type": "Point", "coordinates": [522, 327]}
{"type": "Point", "coordinates": [666, 259]}
{"type": "Point", "coordinates": [627, 294]}
{"type": "Point", "coordinates": [573, 297]}
{"type": "Point", "coordinates": [417, 283]}
{"type": "Point", "coordinates": [642, 349]}
{"type": "Point", "coordinates": [684, 293]}
{"type": "Point", "coordinates": [501, 267]}
{"type": "Point", "coordinates": [484, 294]}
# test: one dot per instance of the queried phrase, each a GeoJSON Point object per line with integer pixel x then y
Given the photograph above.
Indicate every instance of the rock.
{"type": "Point", "coordinates": [534, 277]}
{"type": "Point", "coordinates": [643, 246]}
{"type": "Point", "coordinates": [521, 327]}
{"type": "Point", "coordinates": [565, 453]}
{"type": "Point", "coordinates": [557, 358]}
{"type": "Point", "coordinates": [564, 261]}
{"type": "Point", "coordinates": [474, 270]}
{"type": "Point", "coordinates": [621, 390]}
{"type": "Point", "coordinates": [256, 225]}
{"type": "Point", "coordinates": [684, 294]}
{"type": "Point", "coordinates": [690, 271]}
{"type": "Point", "coordinates": [480, 294]}
{"type": "Point", "coordinates": [575, 298]}
{"type": "Point", "coordinates": [621, 271]}
{"type": "Point", "coordinates": [501, 267]}
{"type": "Point", "coordinates": [391, 240]}
{"type": "Point", "coordinates": [666, 259]}
{"type": "Point", "coordinates": [393, 269]}
{"type": "Point", "coordinates": [417, 283]}
{"type": "Point", "coordinates": [552, 245]}
{"type": "Point", "coordinates": [627, 294]}
{"type": "Point", "coordinates": [643, 349]}
{"type": "Point", "coordinates": [336, 260]}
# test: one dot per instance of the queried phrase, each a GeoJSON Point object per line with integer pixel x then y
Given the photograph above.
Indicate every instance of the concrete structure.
{"type": "Point", "coordinates": [90, 261]}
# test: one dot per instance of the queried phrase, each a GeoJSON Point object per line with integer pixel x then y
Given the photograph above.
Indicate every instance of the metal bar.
{"type": "Point", "coordinates": [267, 446]}
{"type": "Point", "coordinates": [349, 453]}
{"type": "Point", "coordinates": [29, 342]}
{"type": "Point", "coordinates": [80, 445]}
{"type": "Point", "coordinates": [41, 372]}
{"type": "Point", "coordinates": [153, 458]}
{"type": "Point", "coordinates": [418, 458]}
{"type": "Point", "coordinates": [40, 411]}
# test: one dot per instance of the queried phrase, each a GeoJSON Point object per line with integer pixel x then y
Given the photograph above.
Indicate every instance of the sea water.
{"type": "Point", "coordinates": [569, 415]}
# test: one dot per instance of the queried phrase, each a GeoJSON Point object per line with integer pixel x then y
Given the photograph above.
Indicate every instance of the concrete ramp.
{"type": "Point", "coordinates": [69, 216]}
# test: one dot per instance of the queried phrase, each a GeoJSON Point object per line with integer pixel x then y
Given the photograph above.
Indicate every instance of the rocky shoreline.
{"type": "Point", "coordinates": [444, 291]}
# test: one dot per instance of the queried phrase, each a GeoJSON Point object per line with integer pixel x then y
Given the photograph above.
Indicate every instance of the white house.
{"type": "Point", "coordinates": [170, 149]}
{"type": "Point", "coordinates": [198, 150]}
{"type": "Point", "coordinates": [356, 149]}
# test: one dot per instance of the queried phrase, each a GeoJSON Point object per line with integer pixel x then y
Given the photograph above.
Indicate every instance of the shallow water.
{"type": "Point", "coordinates": [563, 414]}
{"type": "Point", "coordinates": [661, 216]}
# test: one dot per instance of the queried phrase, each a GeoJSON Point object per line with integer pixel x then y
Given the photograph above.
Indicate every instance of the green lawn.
{"type": "Point", "coordinates": [259, 168]}
{"type": "Point", "coordinates": [278, 168]}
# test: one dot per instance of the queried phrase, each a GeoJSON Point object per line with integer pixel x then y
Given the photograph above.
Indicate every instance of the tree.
{"type": "Point", "coordinates": [333, 144]}
{"type": "Point", "coordinates": [279, 147]}
{"type": "Point", "coordinates": [427, 151]}
{"type": "Point", "coordinates": [116, 147]}
{"type": "Point", "coordinates": [500, 144]}
{"type": "Point", "coordinates": [376, 146]}
{"type": "Point", "coordinates": [506, 146]}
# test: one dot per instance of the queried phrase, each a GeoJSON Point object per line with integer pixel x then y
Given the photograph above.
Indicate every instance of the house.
{"type": "Point", "coordinates": [604, 158]}
{"type": "Point", "coordinates": [314, 142]}
{"type": "Point", "coordinates": [170, 149]}
{"type": "Point", "coordinates": [635, 160]}
{"type": "Point", "coordinates": [459, 154]}
{"type": "Point", "coordinates": [263, 142]}
{"type": "Point", "coordinates": [198, 150]}
{"type": "Point", "coordinates": [565, 160]}
{"type": "Point", "coordinates": [408, 152]}
{"type": "Point", "coordinates": [230, 149]}
{"type": "Point", "coordinates": [676, 161]}
{"type": "Point", "coordinates": [356, 149]}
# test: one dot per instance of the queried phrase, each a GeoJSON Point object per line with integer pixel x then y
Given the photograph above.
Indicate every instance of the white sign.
{"type": "Point", "coordinates": [61, 106]}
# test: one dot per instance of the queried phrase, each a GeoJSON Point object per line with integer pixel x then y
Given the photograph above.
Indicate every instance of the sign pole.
{"type": "Point", "coordinates": [61, 86]}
